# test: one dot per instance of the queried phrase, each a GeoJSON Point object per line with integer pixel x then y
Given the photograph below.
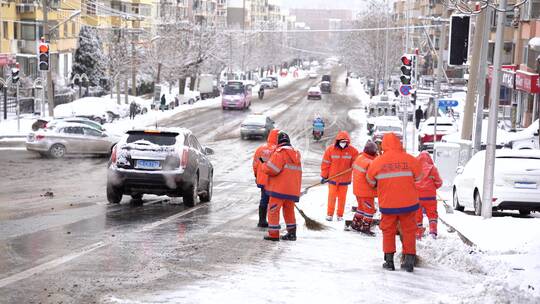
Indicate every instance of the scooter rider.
{"type": "Point", "coordinates": [318, 125]}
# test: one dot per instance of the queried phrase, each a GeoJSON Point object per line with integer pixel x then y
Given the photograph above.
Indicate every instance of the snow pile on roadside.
{"type": "Point", "coordinates": [8, 128]}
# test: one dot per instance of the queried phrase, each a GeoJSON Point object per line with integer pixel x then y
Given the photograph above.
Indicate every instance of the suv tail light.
{"type": "Point", "coordinates": [184, 158]}
{"type": "Point", "coordinates": [40, 137]}
{"type": "Point", "coordinates": [113, 155]}
{"type": "Point", "coordinates": [427, 138]}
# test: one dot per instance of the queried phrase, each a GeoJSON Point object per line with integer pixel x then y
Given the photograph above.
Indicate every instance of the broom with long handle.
{"type": "Point", "coordinates": [312, 224]}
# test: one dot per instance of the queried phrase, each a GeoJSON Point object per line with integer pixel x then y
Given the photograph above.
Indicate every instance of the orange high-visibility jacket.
{"type": "Point", "coordinates": [394, 174]}
{"type": "Point", "coordinates": [337, 160]}
{"type": "Point", "coordinates": [361, 188]}
{"type": "Point", "coordinates": [285, 174]}
{"type": "Point", "coordinates": [431, 181]}
{"type": "Point", "coordinates": [264, 152]}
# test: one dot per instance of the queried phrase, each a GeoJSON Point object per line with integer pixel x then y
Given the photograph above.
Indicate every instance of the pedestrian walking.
{"type": "Point", "coordinates": [132, 109]}
{"type": "Point", "coordinates": [347, 81]}
{"type": "Point", "coordinates": [427, 195]}
{"type": "Point", "coordinates": [163, 102]}
{"type": "Point", "coordinates": [365, 194]}
{"type": "Point", "coordinates": [262, 154]}
{"type": "Point", "coordinates": [261, 92]}
{"type": "Point", "coordinates": [418, 116]}
{"type": "Point", "coordinates": [285, 178]}
{"type": "Point", "coordinates": [394, 174]}
{"type": "Point", "coordinates": [338, 158]}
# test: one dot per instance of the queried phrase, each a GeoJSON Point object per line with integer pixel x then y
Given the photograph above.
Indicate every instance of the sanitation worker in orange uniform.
{"type": "Point", "coordinates": [338, 158]}
{"type": "Point", "coordinates": [427, 195]}
{"type": "Point", "coordinates": [394, 173]}
{"type": "Point", "coordinates": [365, 194]}
{"type": "Point", "coordinates": [263, 152]}
{"type": "Point", "coordinates": [285, 178]}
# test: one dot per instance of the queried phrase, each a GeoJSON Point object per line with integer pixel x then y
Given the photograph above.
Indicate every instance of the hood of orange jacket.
{"type": "Point", "coordinates": [343, 135]}
{"type": "Point", "coordinates": [431, 179]}
{"type": "Point", "coordinates": [272, 137]}
{"type": "Point", "coordinates": [391, 142]}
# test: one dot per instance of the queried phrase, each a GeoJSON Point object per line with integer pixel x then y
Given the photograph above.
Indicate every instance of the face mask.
{"type": "Point", "coordinates": [342, 144]}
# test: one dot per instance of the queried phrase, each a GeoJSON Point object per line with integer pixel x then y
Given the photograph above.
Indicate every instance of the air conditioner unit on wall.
{"type": "Point", "coordinates": [21, 44]}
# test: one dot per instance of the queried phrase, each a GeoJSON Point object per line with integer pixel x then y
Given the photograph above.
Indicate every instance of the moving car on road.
{"type": "Point", "coordinates": [314, 92]}
{"type": "Point", "coordinates": [516, 182]}
{"type": "Point", "coordinates": [385, 127]}
{"type": "Point", "coordinates": [267, 83]}
{"type": "Point", "coordinates": [257, 125]}
{"type": "Point", "coordinates": [445, 126]}
{"type": "Point", "coordinates": [275, 81]}
{"type": "Point", "coordinates": [70, 138]}
{"type": "Point", "coordinates": [326, 87]}
{"type": "Point", "coordinates": [312, 75]}
{"type": "Point", "coordinates": [236, 95]}
{"type": "Point", "coordinates": [167, 161]}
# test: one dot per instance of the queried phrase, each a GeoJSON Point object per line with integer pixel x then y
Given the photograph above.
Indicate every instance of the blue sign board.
{"type": "Point", "coordinates": [445, 103]}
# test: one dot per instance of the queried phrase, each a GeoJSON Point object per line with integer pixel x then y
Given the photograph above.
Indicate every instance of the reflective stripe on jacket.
{"type": "Point", "coordinates": [394, 174]}
{"type": "Point", "coordinates": [361, 188]}
{"type": "Point", "coordinates": [285, 174]}
{"type": "Point", "coordinates": [337, 160]}
{"type": "Point", "coordinates": [431, 181]}
{"type": "Point", "coordinates": [264, 152]}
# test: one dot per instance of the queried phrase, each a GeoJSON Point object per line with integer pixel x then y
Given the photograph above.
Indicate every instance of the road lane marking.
{"type": "Point", "coordinates": [51, 264]}
{"type": "Point", "coordinates": [87, 249]}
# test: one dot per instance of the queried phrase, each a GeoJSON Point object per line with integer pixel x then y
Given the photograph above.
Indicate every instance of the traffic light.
{"type": "Point", "coordinates": [43, 56]}
{"type": "Point", "coordinates": [406, 69]}
{"type": "Point", "coordinates": [458, 45]}
{"type": "Point", "coordinates": [15, 74]}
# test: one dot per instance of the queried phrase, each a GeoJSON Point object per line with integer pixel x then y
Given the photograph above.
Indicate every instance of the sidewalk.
{"type": "Point", "coordinates": [511, 241]}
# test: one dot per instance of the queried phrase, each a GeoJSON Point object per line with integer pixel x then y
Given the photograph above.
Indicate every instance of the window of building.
{"type": "Point", "coordinates": [73, 29]}
{"type": "Point", "coordinates": [15, 30]}
{"type": "Point", "coordinates": [28, 32]}
{"type": "Point", "coordinates": [5, 26]}
{"type": "Point", "coordinates": [66, 30]}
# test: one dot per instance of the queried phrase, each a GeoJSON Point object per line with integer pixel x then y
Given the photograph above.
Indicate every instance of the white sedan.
{"type": "Point", "coordinates": [517, 177]}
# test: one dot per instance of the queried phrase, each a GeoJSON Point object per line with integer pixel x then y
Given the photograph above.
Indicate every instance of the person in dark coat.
{"type": "Point", "coordinates": [163, 101]}
{"type": "Point", "coordinates": [418, 116]}
{"type": "Point", "coordinates": [132, 110]}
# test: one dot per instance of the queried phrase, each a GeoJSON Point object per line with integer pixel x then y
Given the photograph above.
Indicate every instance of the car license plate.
{"type": "Point", "coordinates": [147, 164]}
{"type": "Point", "coordinates": [525, 185]}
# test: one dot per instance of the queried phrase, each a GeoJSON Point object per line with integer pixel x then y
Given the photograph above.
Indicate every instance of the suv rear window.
{"type": "Point", "coordinates": [161, 139]}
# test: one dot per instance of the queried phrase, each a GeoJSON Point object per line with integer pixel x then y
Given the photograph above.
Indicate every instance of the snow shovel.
{"type": "Point", "coordinates": [447, 208]}
{"type": "Point", "coordinates": [312, 224]}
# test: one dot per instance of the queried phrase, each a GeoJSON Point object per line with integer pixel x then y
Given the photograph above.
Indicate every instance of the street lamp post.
{"type": "Point", "coordinates": [534, 44]}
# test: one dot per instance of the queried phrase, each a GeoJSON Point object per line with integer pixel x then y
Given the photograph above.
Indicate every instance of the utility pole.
{"type": "Point", "coordinates": [466, 129]}
{"type": "Point", "coordinates": [481, 86]}
{"type": "Point", "coordinates": [133, 68]}
{"type": "Point", "coordinates": [385, 85]}
{"type": "Point", "coordinates": [440, 71]}
{"type": "Point", "coordinates": [489, 166]}
{"type": "Point", "coordinates": [46, 34]}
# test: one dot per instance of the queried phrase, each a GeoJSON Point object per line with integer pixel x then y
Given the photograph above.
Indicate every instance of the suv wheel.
{"type": "Point", "coordinates": [457, 206]}
{"type": "Point", "coordinates": [57, 151]}
{"type": "Point", "coordinates": [207, 195]}
{"type": "Point", "coordinates": [190, 195]}
{"type": "Point", "coordinates": [114, 196]}
{"type": "Point", "coordinates": [477, 204]}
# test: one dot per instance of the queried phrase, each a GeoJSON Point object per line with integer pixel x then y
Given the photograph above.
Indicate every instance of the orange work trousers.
{"type": "Point", "coordinates": [366, 209]}
{"type": "Point", "coordinates": [274, 207]}
{"type": "Point", "coordinates": [339, 193]}
{"type": "Point", "coordinates": [430, 209]}
{"type": "Point", "coordinates": [389, 226]}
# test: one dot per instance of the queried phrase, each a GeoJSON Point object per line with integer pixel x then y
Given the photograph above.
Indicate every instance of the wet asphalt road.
{"type": "Point", "coordinates": [73, 247]}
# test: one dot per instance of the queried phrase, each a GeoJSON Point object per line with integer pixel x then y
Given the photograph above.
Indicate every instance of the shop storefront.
{"type": "Point", "coordinates": [508, 93]}
{"type": "Point", "coordinates": [527, 97]}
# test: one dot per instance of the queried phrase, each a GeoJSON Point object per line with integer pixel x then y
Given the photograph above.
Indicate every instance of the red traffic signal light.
{"type": "Point", "coordinates": [406, 60]}
{"type": "Point", "coordinates": [43, 56]}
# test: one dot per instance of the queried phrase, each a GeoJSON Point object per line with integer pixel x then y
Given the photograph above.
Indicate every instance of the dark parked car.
{"type": "Point", "coordinates": [163, 162]}
{"type": "Point", "coordinates": [326, 78]}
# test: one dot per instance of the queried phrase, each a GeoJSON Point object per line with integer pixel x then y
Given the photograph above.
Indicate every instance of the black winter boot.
{"type": "Point", "coordinates": [408, 262]}
{"type": "Point", "coordinates": [262, 217]}
{"type": "Point", "coordinates": [389, 261]}
{"type": "Point", "coordinates": [269, 238]}
{"type": "Point", "coordinates": [290, 236]}
{"type": "Point", "coordinates": [366, 229]}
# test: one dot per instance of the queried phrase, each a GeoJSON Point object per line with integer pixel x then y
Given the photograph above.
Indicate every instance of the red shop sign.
{"type": "Point", "coordinates": [527, 82]}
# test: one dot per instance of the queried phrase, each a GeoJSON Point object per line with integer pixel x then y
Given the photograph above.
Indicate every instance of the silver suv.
{"type": "Point", "coordinates": [163, 162]}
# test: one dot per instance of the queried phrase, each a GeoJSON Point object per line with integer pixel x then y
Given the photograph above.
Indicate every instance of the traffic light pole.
{"type": "Point", "coordinates": [50, 93]}
{"type": "Point", "coordinates": [481, 86]}
{"type": "Point", "coordinates": [440, 71]}
{"type": "Point", "coordinates": [18, 110]}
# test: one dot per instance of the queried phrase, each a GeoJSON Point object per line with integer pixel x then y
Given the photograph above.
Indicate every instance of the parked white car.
{"type": "Point", "coordinates": [524, 139]}
{"type": "Point", "coordinates": [98, 109]}
{"type": "Point", "coordinates": [516, 186]}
